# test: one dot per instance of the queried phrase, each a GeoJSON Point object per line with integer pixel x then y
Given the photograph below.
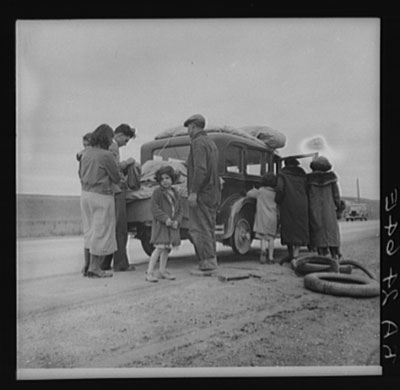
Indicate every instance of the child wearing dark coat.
{"type": "Point", "coordinates": [167, 216]}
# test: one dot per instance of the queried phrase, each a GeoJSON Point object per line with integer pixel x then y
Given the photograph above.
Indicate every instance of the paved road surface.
{"type": "Point", "coordinates": [37, 258]}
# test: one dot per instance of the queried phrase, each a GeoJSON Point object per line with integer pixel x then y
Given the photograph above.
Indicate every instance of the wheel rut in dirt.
{"type": "Point", "coordinates": [126, 355]}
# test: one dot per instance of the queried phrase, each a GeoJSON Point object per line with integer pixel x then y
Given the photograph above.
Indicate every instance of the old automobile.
{"type": "Point", "coordinates": [242, 162]}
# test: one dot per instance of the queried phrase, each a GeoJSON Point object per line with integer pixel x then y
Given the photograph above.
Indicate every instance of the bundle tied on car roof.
{"type": "Point", "coordinates": [270, 137]}
{"type": "Point", "coordinates": [273, 138]}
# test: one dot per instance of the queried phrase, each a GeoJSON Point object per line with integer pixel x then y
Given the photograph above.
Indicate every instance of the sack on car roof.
{"type": "Point", "coordinates": [273, 138]}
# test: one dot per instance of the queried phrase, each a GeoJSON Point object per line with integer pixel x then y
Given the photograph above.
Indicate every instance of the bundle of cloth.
{"type": "Point", "coordinates": [273, 138]}
{"type": "Point", "coordinates": [148, 181]}
{"type": "Point", "coordinates": [181, 130]}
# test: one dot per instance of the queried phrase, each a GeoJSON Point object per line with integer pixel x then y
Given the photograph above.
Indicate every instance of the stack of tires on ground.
{"type": "Point", "coordinates": [325, 275]}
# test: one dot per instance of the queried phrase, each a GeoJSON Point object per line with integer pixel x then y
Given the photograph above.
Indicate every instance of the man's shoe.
{"type": "Point", "coordinates": [131, 267]}
{"type": "Point", "coordinates": [208, 264]}
{"type": "Point", "coordinates": [101, 274]}
{"type": "Point", "coordinates": [166, 275]}
{"type": "Point", "coordinates": [205, 272]}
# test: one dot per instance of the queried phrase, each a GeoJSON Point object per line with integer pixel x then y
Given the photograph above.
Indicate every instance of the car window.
{"type": "Point", "coordinates": [233, 159]}
{"type": "Point", "coordinates": [254, 162]}
{"type": "Point", "coordinates": [276, 163]}
{"type": "Point", "coordinates": [172, 153]}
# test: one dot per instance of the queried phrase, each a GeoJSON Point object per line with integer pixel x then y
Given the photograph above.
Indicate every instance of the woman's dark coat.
{"type": "Point", "coordinates": [162, 210]}
{"type": "Point", "coordinates": [324, 200]}
{"type": "Point", "coordinates": [291, 196]}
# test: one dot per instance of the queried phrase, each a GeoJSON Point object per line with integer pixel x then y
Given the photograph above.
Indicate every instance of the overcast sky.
{"type": "Point", "coordinates": [304, 77]}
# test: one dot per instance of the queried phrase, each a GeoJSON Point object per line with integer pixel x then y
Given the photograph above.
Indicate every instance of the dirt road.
{"type": "Point", "coordinates": [266, 320]}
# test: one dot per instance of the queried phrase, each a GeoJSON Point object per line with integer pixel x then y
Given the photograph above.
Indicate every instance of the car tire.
{"type": "Point", "coordinates": [241, 238]}
{"type": "Point", "coordinates": [308, 264]}
{"type": "Point", "coordinates": [342, 285]}
{"type": "Point", "coordinates": [360, 266]}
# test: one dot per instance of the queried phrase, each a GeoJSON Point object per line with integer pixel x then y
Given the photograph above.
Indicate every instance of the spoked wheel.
{"type": "Point", "coordinates": [241, 237]}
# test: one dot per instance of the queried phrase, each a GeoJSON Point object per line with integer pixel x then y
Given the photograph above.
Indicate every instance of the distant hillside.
{"type": "Point", "coordinates": [48, 215]}
{"type": "Point", "coordinates": [54, 207]}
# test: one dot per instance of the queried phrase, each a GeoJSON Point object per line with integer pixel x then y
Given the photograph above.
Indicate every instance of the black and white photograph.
{"type": "Point", "coordinates": [199, 197]}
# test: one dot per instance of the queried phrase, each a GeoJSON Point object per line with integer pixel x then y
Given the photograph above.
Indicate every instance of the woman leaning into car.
{"type": "Point", "coordinates": [97, 171]}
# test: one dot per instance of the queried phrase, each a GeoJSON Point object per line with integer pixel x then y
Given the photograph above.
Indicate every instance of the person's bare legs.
{"type": "Point", "coordinates": [271, 250]}
{"type": "Point", "coordinates": [86, 264]}
{"type": "Point", "coordinates": [150, 277]}
{"type": "Point", "coordinates": [164, 274]}
{"type": "Point", "coordinates": [296, 251]}
{"type": "Point", "coordinates": [263, 254]}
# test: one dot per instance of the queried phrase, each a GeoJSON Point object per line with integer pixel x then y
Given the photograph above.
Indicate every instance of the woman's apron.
{"type": "Point", "coordinates": [98, 219]}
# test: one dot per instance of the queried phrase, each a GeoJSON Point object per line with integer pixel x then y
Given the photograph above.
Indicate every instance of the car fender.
{"type": "Point", "coordinates": [231, 209]}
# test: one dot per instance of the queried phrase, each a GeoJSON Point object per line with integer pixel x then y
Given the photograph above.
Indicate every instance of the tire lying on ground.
{"type": "Point", "coordinates": [308, 264]}
{"type": "Point", "coordinates": [356, 264]}
{"type": "Point", "coordinates": [342, 285]}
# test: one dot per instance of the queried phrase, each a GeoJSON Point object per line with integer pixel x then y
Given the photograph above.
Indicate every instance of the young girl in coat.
{"type": "Point", "coordinates": [265, 222]}
{"type": "Point", "coordinates": [167, 216]}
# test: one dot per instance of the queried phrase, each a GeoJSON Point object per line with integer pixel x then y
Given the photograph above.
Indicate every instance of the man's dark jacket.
{"type": "Point", "coordinates": [202, 172]}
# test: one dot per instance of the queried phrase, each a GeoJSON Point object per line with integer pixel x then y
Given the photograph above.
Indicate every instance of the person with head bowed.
{"type": "Point", "coordinates": [167, 210]}
{"type": "Point", "coordinates": [292, 199]}
{"type": "Point", "coordinates": [122, 135]}
{"type": "Point", "coordinates": [324, 202]}
{"type": "Point", "coordinates": [204, 194]}
{"type": "Point", "coordinates": [98, 172]}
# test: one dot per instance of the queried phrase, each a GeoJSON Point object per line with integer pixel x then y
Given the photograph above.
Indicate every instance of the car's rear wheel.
{"type": "Point", "coordinates": [241, 238]}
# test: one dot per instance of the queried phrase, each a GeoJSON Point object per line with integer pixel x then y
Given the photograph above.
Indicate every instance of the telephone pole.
{"type": "Point", "coordinates": [358, 191]}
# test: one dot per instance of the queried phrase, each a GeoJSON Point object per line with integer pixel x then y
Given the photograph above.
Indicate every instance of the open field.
{"type": "Point", "coordinates": [48, 215]}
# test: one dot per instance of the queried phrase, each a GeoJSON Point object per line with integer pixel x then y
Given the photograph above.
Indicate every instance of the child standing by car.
{"type": "Point", "coordinates": [167, 216]}
{"type": "Point", "coordinates": [265, 222]}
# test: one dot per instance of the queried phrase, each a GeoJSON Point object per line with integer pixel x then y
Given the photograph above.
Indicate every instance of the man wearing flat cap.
{"type": "Point", "coordinates": [204, 194]}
